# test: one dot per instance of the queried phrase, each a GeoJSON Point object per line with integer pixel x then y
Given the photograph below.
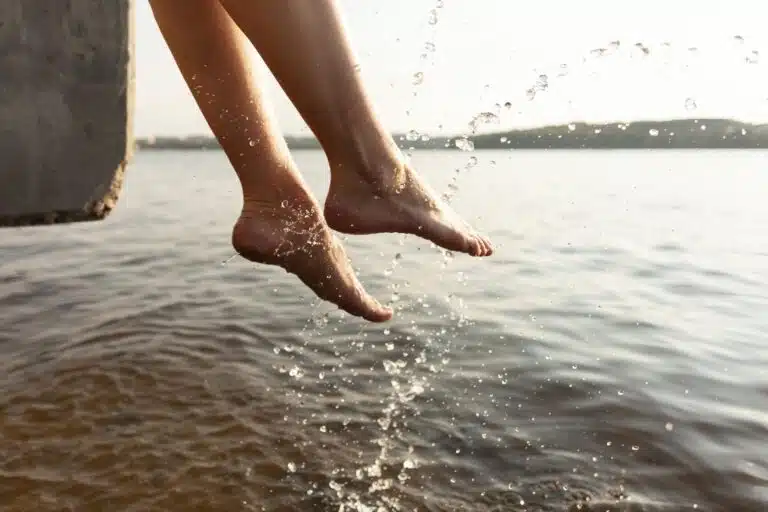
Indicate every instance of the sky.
{"type": "Point", "coordinates": [531, 63]}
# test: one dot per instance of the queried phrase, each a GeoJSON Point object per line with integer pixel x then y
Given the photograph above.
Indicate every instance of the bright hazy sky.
{"type": "Point", "coordinates": [490, 52]}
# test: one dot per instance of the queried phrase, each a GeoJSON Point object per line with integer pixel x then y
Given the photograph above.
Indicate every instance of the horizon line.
{"type": "Point", "coordinates": [491, 132]}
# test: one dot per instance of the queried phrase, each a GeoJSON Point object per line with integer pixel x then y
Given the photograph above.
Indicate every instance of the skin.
{"type": "Point", "coordinates": [373, 189]}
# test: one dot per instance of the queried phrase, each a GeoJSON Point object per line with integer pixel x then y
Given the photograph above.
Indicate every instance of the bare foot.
{"type": "Point", "coordinates": [395, 200]}
{"type": "Point", "coordinates": [294, 236]}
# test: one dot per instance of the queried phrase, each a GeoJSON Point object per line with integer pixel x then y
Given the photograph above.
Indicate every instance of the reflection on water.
{"type": "Point", "coordinates": [611, 356]}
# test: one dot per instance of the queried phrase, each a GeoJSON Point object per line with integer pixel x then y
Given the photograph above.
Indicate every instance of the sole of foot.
{"type": "Point", "coordinates": [296, 238]}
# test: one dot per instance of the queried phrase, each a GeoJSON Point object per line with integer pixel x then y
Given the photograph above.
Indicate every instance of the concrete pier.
{"type": "Point", "coordinates": [66, 102]}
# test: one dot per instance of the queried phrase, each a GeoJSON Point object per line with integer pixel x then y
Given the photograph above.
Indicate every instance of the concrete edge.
{"type": "Point", "coordinates": [96, 209]}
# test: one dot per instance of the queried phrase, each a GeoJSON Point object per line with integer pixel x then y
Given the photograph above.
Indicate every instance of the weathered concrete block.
{"type": "Point", "coordinates": [66, 102]}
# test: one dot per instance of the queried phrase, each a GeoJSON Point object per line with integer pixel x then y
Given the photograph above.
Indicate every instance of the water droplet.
{"type": "Point", "coordinates": [251, 142]}
{"type": "Point", "coordinates": [690, 104]}
{"type": "Point", "coordinates": [418, 78]}
{"type": "Point", "coordinates": [391, 368]}
{"type": "Point", "coordinates": [541, 84]}
{"type": "Point", "coordinates": [464, 144]}
{"type": "Point", "coordinates": [291, 467]}
{"type": "Point", "coordinates": [296, 372]}
{"type": "Point", "coordinates": [284, 204]}
{"type": "Point", "coordinates": [429, 46]}
{"type": "Point", "coordinates": [483, 118]}
{"type": "Point", "coordinates": [635, 448]}
{"type": "Point", "coordinates": [433, 17]}
{"type": "Point", "coordinates": [412, 136]}
{"type": "Point", "coordinates": [653, 132]}
{"type": "Point", "coordinates": [669, 427]}
{"type": "Point", "coordinates": [323, 429]}
{"type": "Point", "coordinates": [571, 127]}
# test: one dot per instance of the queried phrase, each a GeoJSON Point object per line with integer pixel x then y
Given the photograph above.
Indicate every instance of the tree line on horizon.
{"type": "Point", "coordinates": [674, 134]}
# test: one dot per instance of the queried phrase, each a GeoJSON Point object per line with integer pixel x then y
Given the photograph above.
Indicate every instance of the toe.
{"type": "Point", "coordinates": [487, 245]}
{"type": "Point", "coordinates": [361, 304]}
{"type": "Point", "coordinates": [378, 313]}
{"type": "Point", "coordinates": [475, 246]}
{"type": "Point", "coordinates": [370, 309]}
{"type": "Point", "coordinates": [483, 249]}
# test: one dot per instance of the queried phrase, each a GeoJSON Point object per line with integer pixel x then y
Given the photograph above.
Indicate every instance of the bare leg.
{"type": "Point", "coordinates": [372, 188]}
{"type": "Point", "coordinates": [281, 223]}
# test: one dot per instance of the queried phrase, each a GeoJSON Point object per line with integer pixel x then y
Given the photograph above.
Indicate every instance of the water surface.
{"type": "Point", "coordinates": [612, 354]}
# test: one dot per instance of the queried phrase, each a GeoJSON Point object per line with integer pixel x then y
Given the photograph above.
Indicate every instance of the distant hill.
{"type": "Point", "coordinates": [675, 134]}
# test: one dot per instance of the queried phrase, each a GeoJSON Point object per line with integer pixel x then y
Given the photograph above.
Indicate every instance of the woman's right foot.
{"type": "Point", "coordinates": [389, 197]}
{"type": "Point", "coordinates": [293, 235]}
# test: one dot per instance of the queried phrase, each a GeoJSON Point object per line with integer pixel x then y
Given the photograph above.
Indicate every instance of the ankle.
{"type": "Point", "coordinates": [383, 170]}
{"type": "Point", "coordinates": [363, 147]}
{"type": "Point", "coordinates": [286, 206]}
{"type": "Point", "coordinates": [276, 192]}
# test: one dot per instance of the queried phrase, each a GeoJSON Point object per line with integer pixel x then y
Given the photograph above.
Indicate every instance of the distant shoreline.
{"type": "Point", "coordinates": [674, 134]}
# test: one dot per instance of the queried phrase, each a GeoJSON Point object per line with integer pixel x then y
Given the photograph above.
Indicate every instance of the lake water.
{"type": "Point", "coordinates": [611, 356]}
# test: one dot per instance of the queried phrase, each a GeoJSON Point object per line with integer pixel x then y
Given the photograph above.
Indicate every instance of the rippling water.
{"type": "Point", "coordinates": [612, 356]}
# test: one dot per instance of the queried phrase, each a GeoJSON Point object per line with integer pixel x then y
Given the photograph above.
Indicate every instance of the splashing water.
{"type": "Point", "coordinates": [483, 118]}
{"type": "Point", "coordinates": [541, 85]}
{"type": "Point", "coordinates": [409, 377]}
{"type": "Point", "coordinates": [464, 144]}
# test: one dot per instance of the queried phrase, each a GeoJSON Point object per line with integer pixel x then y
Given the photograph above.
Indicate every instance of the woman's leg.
{"type": "Point", "coordinates": [372, 188]}
{"type": "Point", "coordinates": [281, 223]}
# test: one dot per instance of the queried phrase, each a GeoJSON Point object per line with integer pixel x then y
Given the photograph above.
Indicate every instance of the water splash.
{"type": "Point", "coordinates": [483, 118]}
{"type": "Point", "coordinates": [540, 85]}
{"type": "Point", "coordinates": [409, 371]}
{"type": "Point", "coordinates": [463, 143]}
{"type": "Point", "coordinates": [224, 262]}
